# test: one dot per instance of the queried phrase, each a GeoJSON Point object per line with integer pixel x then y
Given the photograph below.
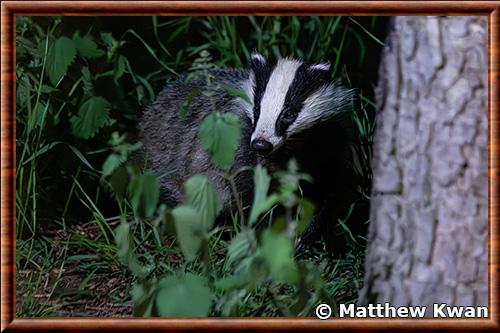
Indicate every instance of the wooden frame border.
{"type": "Point", "coordinates": [10, 9]}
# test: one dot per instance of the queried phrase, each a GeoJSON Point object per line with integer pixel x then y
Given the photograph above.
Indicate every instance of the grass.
{"type": "Point", "coordinates": [66, 255]}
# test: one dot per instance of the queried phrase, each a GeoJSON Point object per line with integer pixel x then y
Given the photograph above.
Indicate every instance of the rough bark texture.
{"type": "Point", "coordinates": [428, 238]}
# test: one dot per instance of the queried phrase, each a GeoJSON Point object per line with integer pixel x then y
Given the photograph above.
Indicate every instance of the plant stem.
{"type": "Point", "coordinates": [238, 199]}
{"type": "Point", "coordinates": [71, 191]}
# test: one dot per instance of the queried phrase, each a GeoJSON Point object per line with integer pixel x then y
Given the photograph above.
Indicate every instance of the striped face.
{"type": "Point", "coordinates": [288, 97]}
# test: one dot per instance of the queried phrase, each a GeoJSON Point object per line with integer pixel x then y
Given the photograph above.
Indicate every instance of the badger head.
{"type": "Point", "coordinates": [288, 97]}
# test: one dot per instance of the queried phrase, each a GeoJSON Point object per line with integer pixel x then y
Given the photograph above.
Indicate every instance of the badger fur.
{"type": "Point", "coordinates": [294, 110]}
{"type": "Point", "coordinates": [171, 148]}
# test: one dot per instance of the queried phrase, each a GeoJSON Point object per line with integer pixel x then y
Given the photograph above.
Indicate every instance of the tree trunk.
{"type": "Point", "coordinates": [428, 238]}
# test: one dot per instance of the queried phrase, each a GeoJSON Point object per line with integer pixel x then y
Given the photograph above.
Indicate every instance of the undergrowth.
{"type": "Point", "coordinates": [91, 231]}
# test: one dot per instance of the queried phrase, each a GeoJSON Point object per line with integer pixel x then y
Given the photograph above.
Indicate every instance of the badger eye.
{"type": "Point", "coordinates": [289, 114]}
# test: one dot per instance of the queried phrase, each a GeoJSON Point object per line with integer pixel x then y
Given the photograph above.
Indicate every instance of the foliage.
{"type": "Point", "coordinates": [251, 261]}
{"type": "Point", "coordinates": [81, 82]}
{"type": "Point", "coordinates": [220, 135]}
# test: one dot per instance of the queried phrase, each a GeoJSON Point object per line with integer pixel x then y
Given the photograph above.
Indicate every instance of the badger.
{"type": "Point", "coordinates": [293, 110]}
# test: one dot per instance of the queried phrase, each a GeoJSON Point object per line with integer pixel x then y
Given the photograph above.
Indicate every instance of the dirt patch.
{"type": "Point", "coordinates": [83, 281]}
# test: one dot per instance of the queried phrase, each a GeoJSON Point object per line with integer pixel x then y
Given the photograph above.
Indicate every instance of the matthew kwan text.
{"type": "Point", "coordinates": [438, 310]}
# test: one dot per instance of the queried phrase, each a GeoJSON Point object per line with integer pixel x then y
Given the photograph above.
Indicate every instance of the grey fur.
{"type": "Point", "coordinates": [319, 142]}
{"type": "Point", "coordinates": [171, 148]}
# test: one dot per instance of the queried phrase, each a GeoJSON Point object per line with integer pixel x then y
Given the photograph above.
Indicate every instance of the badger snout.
{"type": "Point", "coordinates": [262, 146]}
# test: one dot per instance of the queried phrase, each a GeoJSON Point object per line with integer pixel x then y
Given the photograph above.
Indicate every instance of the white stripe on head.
{"type": "Point", "coordinates": [322, 105]}
{"type": "Point", "coordinates": [273, 100]}
{"type": "Point", "coordinates": [325, 66]}
{"type": "Point", "coordinates": [256, 56]}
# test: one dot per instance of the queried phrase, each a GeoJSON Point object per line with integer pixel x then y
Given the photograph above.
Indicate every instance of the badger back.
{"type": "Point", "coordinates": [168, 131]}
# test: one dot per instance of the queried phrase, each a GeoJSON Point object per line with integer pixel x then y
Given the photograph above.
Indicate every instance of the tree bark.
{"type": "Point", "coordinates": [428, 237]}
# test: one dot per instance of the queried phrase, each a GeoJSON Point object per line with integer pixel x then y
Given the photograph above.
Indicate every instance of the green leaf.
{"type": "Point", "coordinates": [144, 193]}
{"type": "Point", "coordinates": [306, 212]}
{"type": "Point", "coordinates": [166, 221]}
{"type": "Point", "coordinates": [109, 40]}
{"type": "Point", "coordinates": [219, 134]}
{"type": "Point", "coordinates": [126, 253]}
{"type": "Point", "coordinates": [277, 252]}
{"type": "Point", "coordinates": [92, 115]}
{"type": "Point", "coordinates": [189, 230]}
{"type": "Point", "coordinates": [201, 195]}
{"type": "Point", "coordinates": [80, 156]}
{"type": "Point", "coordinates": [112, 162]}
{"type": "Point", "coordinates": [119, 182]}
{"type": "Point", "coordinates": [279, 224]}
{"type": "Point", "coordinates": [261, 202]}
{"type": "Point", "coordinates": [367, 32]}
{"type": "Point", "coordinates": [232, 282]}
{"type": "Point", "coordinates": [39, 114]}
{"type": "Point", "coordinates": [242, 246]}
{"type": "Point", "coordinates": [78, 257]}
{"type": "Point", "coordinates": [119, 68]}
{"type": "Point", "coordinates": [47, 89]}
{"type": "Point", "coordinates": [143, 298]}
{"type": "Point", "coordinates": [122, 239]}
{"type": "Point", "coordinates": [23, 88]}
{"type": "Point", "coordinates": [87, 47]}
{"type": "Point", "coordinates": [60, 55]}
{"type": "Point", "coordinates": [186, 295]}
{"type": "Point", "coordinates": [88, 86]}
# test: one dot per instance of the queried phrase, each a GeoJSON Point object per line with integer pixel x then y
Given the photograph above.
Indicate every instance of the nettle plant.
{"type": "Point", "coordinates": [52, 109]}
{"type": "Point", "coordinates": [256, 265]}
{"type": "Point", "coordinates": [61, 69]}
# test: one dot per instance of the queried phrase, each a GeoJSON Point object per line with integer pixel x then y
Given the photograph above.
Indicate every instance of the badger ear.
{"type": "Point", "coordinates": [324, 66]}
{"type": "Point", "coordinates": [257, 60]}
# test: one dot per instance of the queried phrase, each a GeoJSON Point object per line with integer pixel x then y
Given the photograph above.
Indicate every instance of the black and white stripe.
{"type": "Point", "coordinates": [261, 72]}
{"type": "Point", "coordinates": [274, 93]}
{"type": "Point", "coordinates": [307, 80]}
{"type": "Point", "coordinates": [290, 96]}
